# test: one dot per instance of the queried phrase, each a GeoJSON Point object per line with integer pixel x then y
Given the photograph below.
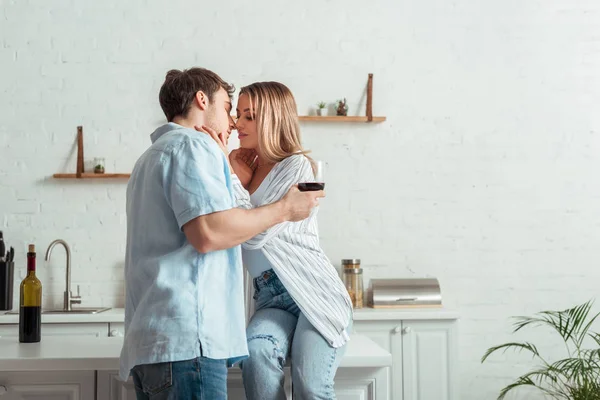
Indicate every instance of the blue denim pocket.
{"type": "Point", "coordinates": [268, 281]}
{"type": "Point", "coordinates": [270, 292]}
{"type": "Point", "coordinates": [153, 378]}
{"type": "Point", "coordinates": [276, 287]}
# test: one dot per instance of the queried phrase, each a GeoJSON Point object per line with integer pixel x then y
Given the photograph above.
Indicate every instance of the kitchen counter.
{"type": "Point", "coordinates": [112, 315]}
{"type": "Point", "coordinates": [363, 314]}
{"type": "Point", "coordinates": [90, 353]}
{"type": "Point", "coordinates": [403, 314]}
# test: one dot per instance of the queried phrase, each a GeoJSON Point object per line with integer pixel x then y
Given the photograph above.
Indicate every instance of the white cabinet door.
{"type": "Point", "coordinates": [424, 356]}
{"type": "Point", "coordinates": [429, 358]}
{"type": "Point", "coordinates": [110, 387]}
{"type": "Point", "coordinates": [91, 329]}
{"type": "Point", "coordinates": [56, 385]}
{"type": "Point", "coordinates": [362, 384]}
{"type": "Point", "coordinates": [388, 335]}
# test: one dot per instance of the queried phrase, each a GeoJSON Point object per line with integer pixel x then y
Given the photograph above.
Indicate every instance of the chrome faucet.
{"type": "Point", "coordinates": [69, 298]}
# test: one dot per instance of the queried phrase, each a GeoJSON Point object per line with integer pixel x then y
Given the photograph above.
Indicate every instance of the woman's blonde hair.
{"type": "Point", "coordinates": [274, 108]}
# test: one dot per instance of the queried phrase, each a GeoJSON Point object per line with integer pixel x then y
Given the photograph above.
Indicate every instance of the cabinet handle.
{"type": "Point", "coordinates": [406, 330]}
{"type": "Point", "coordinates": [397, 329]}
{"type": "Point", "coordinates": [3, 390]}
{"type": "Point", "coordinates": [116, 333]}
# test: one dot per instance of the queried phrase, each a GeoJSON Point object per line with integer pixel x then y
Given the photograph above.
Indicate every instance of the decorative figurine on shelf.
{"type": "Point", "coordinates": [342, 108]}
{"type": "Point", "coordinates": [321, 111]}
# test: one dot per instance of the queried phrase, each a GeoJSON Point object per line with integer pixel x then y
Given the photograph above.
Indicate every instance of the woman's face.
{"type": "Point", "coordinates": [246, 123]}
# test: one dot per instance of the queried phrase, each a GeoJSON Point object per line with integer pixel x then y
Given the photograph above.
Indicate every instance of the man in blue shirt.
{"type": "Point", "coordinates": [184, 307]}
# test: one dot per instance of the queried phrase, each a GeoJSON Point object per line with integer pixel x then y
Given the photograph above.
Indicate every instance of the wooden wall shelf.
{"type": "Point", "coordinates": [336, 118]}
{"type": "Point", "coordinates": [367, 118]}
{"type": "Point", "coordinates": [91, 176]}
{"type": "Point", "coordinates": [81, 174]}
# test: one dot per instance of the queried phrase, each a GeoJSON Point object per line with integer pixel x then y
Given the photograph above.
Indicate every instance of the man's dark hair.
{"type": "Point", "coordinates": [180, 87]}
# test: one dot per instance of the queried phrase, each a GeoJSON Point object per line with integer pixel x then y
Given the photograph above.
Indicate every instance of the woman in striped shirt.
{"type": "Point", "coordinates": [303, 310]}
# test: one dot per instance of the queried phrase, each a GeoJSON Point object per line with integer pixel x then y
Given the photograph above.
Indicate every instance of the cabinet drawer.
{"type": "Point", "coordinates": [59, 385]}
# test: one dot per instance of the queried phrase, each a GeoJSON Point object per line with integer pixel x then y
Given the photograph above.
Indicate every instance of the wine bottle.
{"type": "Point", "coordinates": [30, 313]}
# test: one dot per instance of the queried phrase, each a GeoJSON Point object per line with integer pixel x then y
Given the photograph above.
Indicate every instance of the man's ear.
{"type": "Point", "coordinates": [202, 100]}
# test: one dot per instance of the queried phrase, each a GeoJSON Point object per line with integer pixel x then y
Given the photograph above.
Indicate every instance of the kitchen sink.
{"type": "Point", "coordinates": [78, 310]}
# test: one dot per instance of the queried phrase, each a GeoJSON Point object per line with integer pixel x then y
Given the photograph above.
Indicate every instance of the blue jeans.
{"type": "Point", "coordinates": [197, 379]}
{"type": "Point", "coordinates": [276, 331]}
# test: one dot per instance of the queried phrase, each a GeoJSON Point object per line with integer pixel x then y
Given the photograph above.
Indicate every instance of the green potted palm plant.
{"type": "Point", "coordinates": [575, 377]}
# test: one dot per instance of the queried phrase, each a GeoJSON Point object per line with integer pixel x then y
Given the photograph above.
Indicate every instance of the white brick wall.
{"type": "Point", "coordinates": [491, 140]}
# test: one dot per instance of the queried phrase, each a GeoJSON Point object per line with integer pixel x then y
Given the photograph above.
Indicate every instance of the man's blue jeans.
{"type": "Point", "coordinates": [198, 379]}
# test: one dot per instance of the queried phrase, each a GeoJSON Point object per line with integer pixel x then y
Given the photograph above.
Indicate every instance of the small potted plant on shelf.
{"type": "Point", "coordinates": [98, 165]}
{"type": "Point", "coordinates": [342, 108]}
{"type": "Point", "coordinates": [321, 110]}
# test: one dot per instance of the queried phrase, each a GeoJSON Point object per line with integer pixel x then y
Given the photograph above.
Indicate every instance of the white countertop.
{"type": "Point", "coordinates": [401, 314]}
{"type": "Point", "coordinates": [363, 314]}
{"type": "Point", "coordinates": [55, 353]}
{"type": "Point", "coordinates": [112, 315]}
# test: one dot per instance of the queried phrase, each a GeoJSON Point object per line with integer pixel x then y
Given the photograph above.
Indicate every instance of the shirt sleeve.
{"type": "Point", "coordinates": [240, 194]}
{"type": "Point", "coordinates": [196, 181]}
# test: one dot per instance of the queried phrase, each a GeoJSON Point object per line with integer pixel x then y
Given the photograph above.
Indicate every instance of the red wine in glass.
{"type": "Point", "coordinates": [317, 184]}
{"type": "Point", "coordinates": [311, 186]}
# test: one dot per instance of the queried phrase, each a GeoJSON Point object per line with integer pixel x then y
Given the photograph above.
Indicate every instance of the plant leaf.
{"type": "Point", "coordinates": [574, 368]}
{"type": "Point", "coordinates": [568, 323]}
{"type": "Point", "coordinates": [595, 336]}
{"type": "Point", "coordinates": [513, 345]}
{"type": "Point", "coordinates": [522, 381]}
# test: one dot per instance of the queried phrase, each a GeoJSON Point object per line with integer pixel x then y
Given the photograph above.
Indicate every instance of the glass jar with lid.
{"type": "Point", "coordinates": [353, 280]}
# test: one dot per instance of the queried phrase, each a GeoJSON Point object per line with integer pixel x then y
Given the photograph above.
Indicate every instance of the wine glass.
{"type": "Point", "coordinates": [318, 183]}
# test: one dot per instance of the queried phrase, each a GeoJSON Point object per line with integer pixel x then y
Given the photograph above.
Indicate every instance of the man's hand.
{"type": "Point", "coordinates": [219, 138]}
{"type": "Point", "coordinates": [243, 162]}
{"type": "Point", "coordinates": [298, 205]}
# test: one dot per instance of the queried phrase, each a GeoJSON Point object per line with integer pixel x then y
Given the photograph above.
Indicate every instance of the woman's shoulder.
{"type": "Point", "coordinates": [295, 161]}
{"type": "Point", "coordinates": [295, 167]}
